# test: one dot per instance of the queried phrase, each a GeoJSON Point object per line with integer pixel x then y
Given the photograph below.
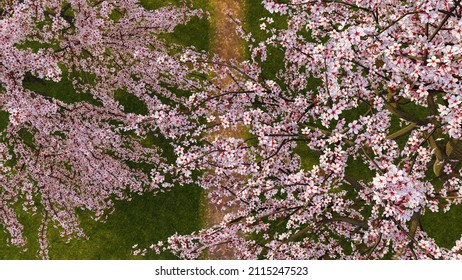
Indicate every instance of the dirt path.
{"type": "Point", "coordinates": [225, 41]}
{"type": "Point", "coordinates": [228, 45]}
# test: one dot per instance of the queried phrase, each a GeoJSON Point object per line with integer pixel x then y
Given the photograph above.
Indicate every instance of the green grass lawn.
{"type": "Point", "coordinates": [445, 228]}
{"type": "Point", "coordinates": [143, 220]}
{"type": "Point", "coordinates": [195, 33]}
{"type": "Point", "coordinates": [253, 13]}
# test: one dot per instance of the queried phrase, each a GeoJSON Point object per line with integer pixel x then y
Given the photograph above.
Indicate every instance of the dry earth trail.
{"type": "Point", "coordinates": [228, 45]}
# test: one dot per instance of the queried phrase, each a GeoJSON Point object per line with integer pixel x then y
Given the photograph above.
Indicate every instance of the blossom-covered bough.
{"type": "Point", "coordinates": [57, 157]}
{"type": "Point", "coordinates": [348, 145]}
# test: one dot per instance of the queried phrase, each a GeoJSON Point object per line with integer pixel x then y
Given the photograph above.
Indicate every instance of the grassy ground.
{"type": "Point", "coordinates": [445, 228]}
{"type": "Point", "coordinates": [144, 220]}
{"type": "Point", "coordinates": [254, 12]}
{"type": "Point", "coordinates": [196, 33]}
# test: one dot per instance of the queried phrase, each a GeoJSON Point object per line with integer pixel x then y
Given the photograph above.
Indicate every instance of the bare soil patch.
{"type": "Point", "coordinates": [229, 46]}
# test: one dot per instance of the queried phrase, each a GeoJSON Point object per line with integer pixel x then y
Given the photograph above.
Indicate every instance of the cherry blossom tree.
{"type": "Point", "coordinates": [57, 157]}
{"type": "Point", "coordinates": [340, 153]}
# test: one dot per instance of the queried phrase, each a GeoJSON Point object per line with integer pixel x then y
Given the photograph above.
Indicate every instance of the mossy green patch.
{"type": "Point", "coordinates": [445, 228]}
{"type": "Point", "coordinates": [254, 13]}
{"type": "Point", "coordinates": [4, 116]}
{"type": "Point", "coordinates": [195, 33]}
{"type": "Point", "coordinates": [62, 90]}
{"type": "Point", "coordinates": [130, 102]}
{"type": "Point", "coordinates": [143, 220]}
